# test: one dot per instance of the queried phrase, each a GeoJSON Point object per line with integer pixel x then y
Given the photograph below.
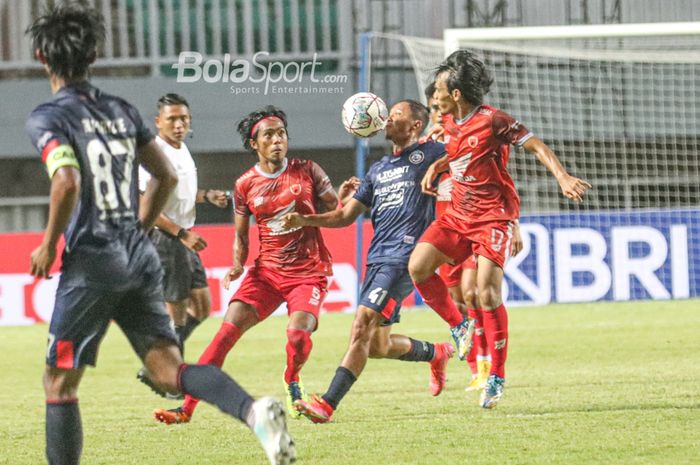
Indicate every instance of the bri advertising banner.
{"type": "Point", "coordinates": [566, 258]}
{"type": "Point", "coordinates": [585, 257]}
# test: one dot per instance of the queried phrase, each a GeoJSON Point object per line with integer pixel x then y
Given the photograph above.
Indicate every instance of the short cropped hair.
{"type": "Point", "coordinates": [418, 111]}
{"type": "Point", "coordinates": [245, 126]}
{"type": "Point", "coordinates": [68, 36]}
{"type": "Point", "coordinates": [172, 99]}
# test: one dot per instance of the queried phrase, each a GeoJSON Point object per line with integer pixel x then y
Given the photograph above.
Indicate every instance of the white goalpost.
{"type": "Point", "coordinates": [620, 106]}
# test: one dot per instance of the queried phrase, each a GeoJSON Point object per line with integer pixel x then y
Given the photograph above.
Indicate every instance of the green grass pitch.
{"type": "Point", "coordinates": [604, 383]}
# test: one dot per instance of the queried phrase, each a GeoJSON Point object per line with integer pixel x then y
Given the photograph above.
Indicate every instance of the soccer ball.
{"type": "Point", "coordinates": [364, 114]}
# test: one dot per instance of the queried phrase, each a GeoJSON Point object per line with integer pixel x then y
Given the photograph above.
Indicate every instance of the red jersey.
{"type": "Point", "coordinates": [295, 188]}
{"type": "Point", "coordinates": [478, 150]}
{"type": "Point", "coordinates": [444, 194]}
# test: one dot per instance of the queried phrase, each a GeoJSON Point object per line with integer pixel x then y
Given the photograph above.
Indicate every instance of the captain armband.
{"type": "Point", "coordinates": [62, 155]}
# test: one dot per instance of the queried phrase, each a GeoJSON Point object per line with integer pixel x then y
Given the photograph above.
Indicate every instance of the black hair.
{"type": "Point", "coordinates": [466, 73]}
{"type": "Point", "coordinates": [245, 126]}
{"type": "Point", "coordinates": [172, 99]}
{"type": "Point", "coordinates": [429, 91]}
{"type": "Point", "coordinates": [418, 111]}
{"type": "Point", "coordinates": [68, 36]}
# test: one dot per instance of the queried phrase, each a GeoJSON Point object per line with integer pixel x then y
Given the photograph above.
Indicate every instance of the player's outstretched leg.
{"type": "Point", "coordinates": [214, 354]}
{"type": "Point", "coordinates": [438, 365]}
{"type": "Point", "coordinates": [269, 425]}
{"type": "Point", "coordinates": [265, 416]}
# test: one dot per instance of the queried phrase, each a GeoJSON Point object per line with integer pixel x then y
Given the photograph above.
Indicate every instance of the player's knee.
{"type": "Point", "coordinates": [298, 338]}
{"type": "Point", "coordinates": [378, 352]}
{"type": "Point", "coordinates": [417, 270]}
{"type": "Point", "coordinates": [60, 385]}
{"type": "Point", "coordinates": [471, 297]}
{"type": "Point", "coordinates": [489, 297]}
{"type": "Point", "coordinates": [378, 349]}
{"type": "Point", "coordinates": [166, 378]}
{"type": "Point", "coordinates": [360, 332]}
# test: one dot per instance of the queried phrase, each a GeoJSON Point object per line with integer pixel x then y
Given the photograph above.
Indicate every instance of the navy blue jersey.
{"type": "Point", "coordinates": [400, 212]}
{"type": "Point", "coordinates": [98, 134]}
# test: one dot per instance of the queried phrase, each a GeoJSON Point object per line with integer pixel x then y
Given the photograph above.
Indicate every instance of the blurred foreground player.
{"type": "Point", "coordinates": [89, 141]}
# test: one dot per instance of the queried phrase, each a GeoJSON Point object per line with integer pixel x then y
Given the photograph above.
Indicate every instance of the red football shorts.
{"type": "Point", "coordinates": [452, 274]}
{"type": "Point", "coordinates": [459, 240]}
{"type": "Point", "coordinates": [266, 290]}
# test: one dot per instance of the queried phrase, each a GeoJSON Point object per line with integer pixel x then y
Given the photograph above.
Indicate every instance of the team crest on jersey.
{"type": "Point", "coordinates": [472, 141]}
{"type": "Point", "coordinates": [416, 157]}
{"type": "Point", "coordinates": [295, 189]}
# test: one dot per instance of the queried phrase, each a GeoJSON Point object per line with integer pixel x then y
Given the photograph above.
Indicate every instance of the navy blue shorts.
{"type": "Point", "coordinates": [123, 285]}
{"type": "Point", "coordinates": [384, 288]}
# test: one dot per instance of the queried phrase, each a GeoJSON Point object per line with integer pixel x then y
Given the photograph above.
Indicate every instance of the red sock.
{"type": "Point", "coordinates": [482, 346]}
{"type": "Point", "coordinates": [471, 356]}
{"type": "Point", "coordinates": [298, 350]}
{"type": "Point", "coordinates": [214, 354]}
{"type": "Point", "coordinates": [434, 293]}
{"type": "Point", "coordinates": [496, 330]}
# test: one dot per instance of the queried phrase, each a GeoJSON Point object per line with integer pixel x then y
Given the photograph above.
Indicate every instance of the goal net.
{"type": "Point", "coordinates": [620, 106]}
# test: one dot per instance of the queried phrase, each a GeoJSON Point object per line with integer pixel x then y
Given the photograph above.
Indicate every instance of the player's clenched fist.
{"type": "Point", "coordinates": [292, 220]}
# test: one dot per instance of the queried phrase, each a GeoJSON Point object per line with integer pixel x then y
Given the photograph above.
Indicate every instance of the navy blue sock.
{"type": "Point", "coordinates": [64, 433]}
{"type": "Point", "coordinates": [210, 384]}
{"type": "Point", "coordinates": [421, 351]}
{"type": "Point", "coordinates": [341, 384]}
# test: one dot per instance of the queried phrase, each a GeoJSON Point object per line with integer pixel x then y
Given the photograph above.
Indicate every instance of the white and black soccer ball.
{"type": "Point", "coordinates": [364, 114]}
